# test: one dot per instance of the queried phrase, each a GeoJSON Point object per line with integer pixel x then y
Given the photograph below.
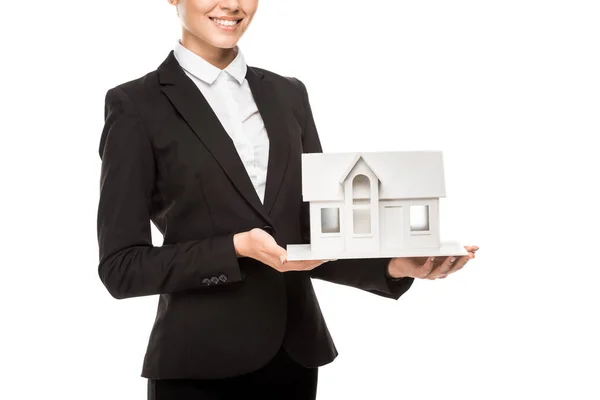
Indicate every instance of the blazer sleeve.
{"type": "Point", "coordinates": [129, 264]}
{"type": "Point", "coordinates": [366, 274]}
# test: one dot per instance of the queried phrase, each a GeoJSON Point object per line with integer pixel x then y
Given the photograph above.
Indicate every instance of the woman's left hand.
{"type": "Point", "coordinates": [429, 267]}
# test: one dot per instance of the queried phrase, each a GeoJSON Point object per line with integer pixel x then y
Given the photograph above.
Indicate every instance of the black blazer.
{"type": "Point", "coordinates": [167, 159]}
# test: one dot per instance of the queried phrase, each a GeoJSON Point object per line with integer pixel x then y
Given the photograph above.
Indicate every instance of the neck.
{"type": "Point", "coordinates": [217, 56]}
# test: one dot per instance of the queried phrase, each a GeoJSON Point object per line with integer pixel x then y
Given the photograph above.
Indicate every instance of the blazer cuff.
{"type": "Point", "coordinates": [394, 287]}
{"type": "Point", "coordinates": [398, 286]}
{"type": "Point", "coordinates": [226, 268]}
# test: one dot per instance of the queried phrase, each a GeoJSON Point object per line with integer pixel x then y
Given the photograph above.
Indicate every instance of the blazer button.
{"type": "Point", "coordinates": [214, 279]}
{"type": "Point", "coordinates": [223, 277]}
{"type": "Point", "coordinates": [206, 281]}
{"type": "Point", "coordinates": [268, 229]}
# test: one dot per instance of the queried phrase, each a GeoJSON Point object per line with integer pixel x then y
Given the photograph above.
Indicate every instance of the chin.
{"type": "Point", "coordinates": [224, 44]}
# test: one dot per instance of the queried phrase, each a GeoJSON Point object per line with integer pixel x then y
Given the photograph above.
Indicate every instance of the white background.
{"type": "Point", "coordinates": [509, 91]}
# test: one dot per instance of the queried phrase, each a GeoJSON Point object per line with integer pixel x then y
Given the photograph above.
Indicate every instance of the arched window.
{"type": "Point", "coordinates": [361, 190]}
{"type": "Point", "coordinates": [361, 204]}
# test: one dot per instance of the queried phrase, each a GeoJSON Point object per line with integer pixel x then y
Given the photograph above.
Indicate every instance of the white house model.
{"type": "Point", "coordinates": [370, 205]}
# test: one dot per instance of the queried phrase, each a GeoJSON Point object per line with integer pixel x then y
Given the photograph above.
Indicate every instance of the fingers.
{"type": "Point", "coordinates": [269, 252]}
{"type": "Point", "coordinates": [433, 267]}
{"type": "Point", "coordinates": [416, 267]}
{"type": "Point", "coordinates": [305, 265]}
{"type": "Point", "coordinates": [457, 264]}
{"type": "Point", "coordinates": [425, 269]}
{"type": "Point", "coordinates": [271, 260]}
{"type": "Point", "coordinates": [273, 249]}
{"type": "Point", "coordinates": [462, 261]}
{"type": "Point", "coordinates": [452, 264]}
{"type": "Point", "coordinates": [443, 269]}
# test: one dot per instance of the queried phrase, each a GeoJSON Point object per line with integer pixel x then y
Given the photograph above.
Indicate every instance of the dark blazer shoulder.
{"type": "Point", "coordinates": [292, 81]}
{"type": "Point", "coordinates": [138, 88]}
{"type": "Point", "coordinates": [290, 88]}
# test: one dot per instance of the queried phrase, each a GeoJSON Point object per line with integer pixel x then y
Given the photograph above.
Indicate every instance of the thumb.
{"type": "Point", "coordinates": [273, 249]}
{"type": "Point", "coordinates": [283, 257]}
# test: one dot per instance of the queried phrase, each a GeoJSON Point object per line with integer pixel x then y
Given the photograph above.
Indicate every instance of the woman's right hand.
{"type": "Point", "coordinates": [261, 246]}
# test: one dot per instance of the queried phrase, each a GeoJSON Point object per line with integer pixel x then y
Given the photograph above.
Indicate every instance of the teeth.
{"type": "Point", "coordinates": [225, 23]}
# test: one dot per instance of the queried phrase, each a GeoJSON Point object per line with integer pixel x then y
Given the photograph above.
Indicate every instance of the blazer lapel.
{"type": "Point", "coordinates": [191, 104]}
{"type": "Point", "coordinates": [268, 104]}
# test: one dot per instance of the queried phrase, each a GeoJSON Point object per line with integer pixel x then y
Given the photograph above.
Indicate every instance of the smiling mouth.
{"type": "Point", "coordinates": [226, 23]}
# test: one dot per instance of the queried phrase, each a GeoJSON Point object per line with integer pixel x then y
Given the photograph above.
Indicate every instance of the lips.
{"type": "Point", "coordinates": [226, 22]}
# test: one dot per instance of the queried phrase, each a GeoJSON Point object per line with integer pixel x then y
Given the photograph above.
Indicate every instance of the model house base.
{"type": "Point", "coordinates": [297, 252]}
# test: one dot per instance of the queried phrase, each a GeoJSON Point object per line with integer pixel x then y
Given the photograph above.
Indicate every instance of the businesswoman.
{"type": "Point", "coordinates": [208, 149]}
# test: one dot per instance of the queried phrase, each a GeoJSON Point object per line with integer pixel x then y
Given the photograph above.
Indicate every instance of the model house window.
{"type": "Point", "coordinates": [362, 221]}
{"type": "Point", "coordinates": [361, 205]}
{"type": "Point", "coordinates": [419, 218]}
{"type": "Point", "coordinates": [361, 190]}
{"type": "Point", "coordinates": [330, 220]}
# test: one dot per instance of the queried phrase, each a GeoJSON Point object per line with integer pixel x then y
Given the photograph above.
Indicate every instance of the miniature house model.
{"type": "Point", "coordinates": [369, 205]}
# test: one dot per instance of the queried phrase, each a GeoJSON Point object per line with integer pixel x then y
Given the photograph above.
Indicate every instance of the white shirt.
{"type": "Point", "coordinates": [228, 93]}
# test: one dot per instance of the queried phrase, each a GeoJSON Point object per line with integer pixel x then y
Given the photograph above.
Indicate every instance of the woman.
{"type": "Point", "coordinates": [209, 149]}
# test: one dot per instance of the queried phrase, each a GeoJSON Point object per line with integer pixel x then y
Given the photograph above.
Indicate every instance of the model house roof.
{"type": "Point", "coordinates": [402, 174]}
{"type": "Point", "coordinates": [351, 165]}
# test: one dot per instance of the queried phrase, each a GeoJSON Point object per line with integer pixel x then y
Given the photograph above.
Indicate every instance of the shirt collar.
{"type": "Point", "coordinates": [205, 71]}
